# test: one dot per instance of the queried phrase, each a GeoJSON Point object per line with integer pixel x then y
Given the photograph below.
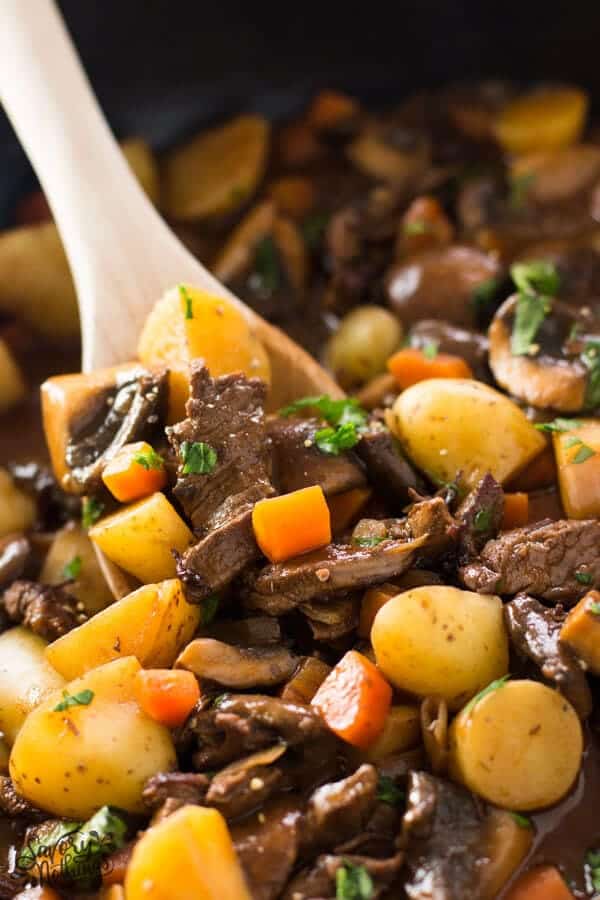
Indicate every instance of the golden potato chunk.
{"type": "Point", "coordinates": [72, 544]}
{"type": "Point", "coordinates": [17, 509]}
{"type": "Point", "coordinates": [545, 119]}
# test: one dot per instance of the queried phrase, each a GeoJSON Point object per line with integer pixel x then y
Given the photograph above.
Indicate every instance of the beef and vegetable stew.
{"type": "Point", "coordinates": [348, 648]}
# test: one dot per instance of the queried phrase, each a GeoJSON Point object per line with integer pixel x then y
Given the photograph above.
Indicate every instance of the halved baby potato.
{"type": "Point", "coordinates": [90, 587]}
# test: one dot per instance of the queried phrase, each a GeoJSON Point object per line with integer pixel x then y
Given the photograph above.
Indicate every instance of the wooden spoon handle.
{"type": "Point", "coordinates": [99, 208]}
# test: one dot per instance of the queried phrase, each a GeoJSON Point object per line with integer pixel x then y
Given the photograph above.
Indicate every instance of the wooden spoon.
{"type": "Point", "coordinates": [122, 254]}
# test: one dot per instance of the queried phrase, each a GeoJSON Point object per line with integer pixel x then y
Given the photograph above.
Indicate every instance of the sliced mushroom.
{"type": "Point", "coordinates": [128, 411]}
{"type": "Point", "coordinates": [391, 151]}
{"type": "Point", "coordinates": [550, 378]}
{"type": "Point", "coordinates": [447, 338]}
{"type": "Point", "coordinates": [440, 284]}
{"type": "Point", "coordinates": [237, 667]}
{"type": "Point", "coordinates": [558, 175]}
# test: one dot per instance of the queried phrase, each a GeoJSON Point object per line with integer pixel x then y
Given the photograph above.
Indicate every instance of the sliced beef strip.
{"type": "Point", "coordinates": [541, 559]}
{"type": "Point", "coordinates": [227, 414]}
{"type": "Point", "coordinates": [280, 587]}
{"type": "Point", "coordinates": [130, 411]}
{"type": "Point", "coordinates": [298, 463]}
{"type": "Point", "coordinates": [267, 846]}
{"type": "Point", "coordinates": [442, 831]}
{"type": "Point", "coordinates": [241, 790]}
{"type": "Point", "coordinates": [187, 787]}
{"type": "Point", "coordinates": [431, 518]}
{"type": "Point", "coordinates": [318, 881]}
{"type": "Point", "coordinates": [387, 468]}
{"type": "Point", "coordinates": [237, 667]}
{"type": "Point", "coordinates": [479, 517]}
{"type": "Point", "coordinates": [47, 609]}
{"type": "Point", "coordinates": [14, 806]}
{"type": "Point", "coordinates": [534, 631]}
{"type": "Point", "coordinates": [337, 811]}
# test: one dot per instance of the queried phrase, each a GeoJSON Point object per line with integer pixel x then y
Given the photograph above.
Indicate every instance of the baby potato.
{"type": "Point", "coordinates": [519, 746]}
{"type": "Point", "coordinates": [140, 538]}
{"type": "Point", "coordinates": [216, 171]}
{"type": "Point", "coordinates": [362, 345]}
{"type": "Point", "coordinates": [12, 385]}
{"type": "Point", "coordinates": [456, 425]}
{"type": "Point", "coordinates": [26, 678]}
{"type": "Point", "coordinates": [98, 750]}
{"type": "Point", "coordinates": [441, 641]}
{"type": "Point", "coordinates": [17, 509]}
{"type": "Point", "coordinates": [153, 624]}
{"type": "Point", "coordinates": [90, 587]}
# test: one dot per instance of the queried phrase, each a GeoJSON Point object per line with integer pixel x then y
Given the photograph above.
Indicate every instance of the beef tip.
{"type": "Point", "coordinates": [332, 617]}
{"type": "Point", "coordinates": [337, 811]}
{"type": "Point", "coordinates": [54, 506]}
{"type": "Point", "coordinates": [129, 411]}
{"type": "Point", "coordinates": [242, 723]}
{"type": "Point", "coordinates": [186, 787]}
{"type": "Point", "coordinates": [534, 631]}
{"type": "Point", "coordinates": [479, 517]}
{"type": "Point", "coordinates": [237, 667]}
{"type": "Point", "coordinates": [15, 550]}
{"type": "Point", "coordinates": [227, 414]}
{"type": "Point", "coordinates": [387, 468]}
{"type": "Point", "coordinates": [47, 609]}
{"type": "Point", "coordinates": [13, 806]}
{"type": "Point", "coordinates": [247, 784]}
{"type": "Point", "coordinates": [541, 559]}
{"type": "Point", "coordinates": [318, 881]}
{"type": "Point", "coordinates": [431, 519]}
{"type": "Point", "coordinates": [298, 463]}
{"type": "Point", "coordinates": [463, 342]}
{"type": "Point", "coordinates": [442, 831]}
{"type": "Point", "coordinates": [280, 587]}
{"type": "Point", "coordinates": [267, 847]}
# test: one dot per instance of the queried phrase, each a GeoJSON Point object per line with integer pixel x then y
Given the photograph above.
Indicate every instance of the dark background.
{"type": "Point", "coordinates": [163, 67]}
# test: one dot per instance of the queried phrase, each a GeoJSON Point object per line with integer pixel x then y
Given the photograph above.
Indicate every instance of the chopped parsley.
{"type": "Point", "coordinates": [388, 791]}
{"type": "Point", "coordinates": [336, 412]}
{"type": "Point", "coordinates": [367, 541]}
{"type": "Point", "coordinates": [584, 577]}
{"type": "Point", "coordinates": [418, 226]}
{"type": "Point", "coordinates": [219, 699]}
{"type": "Point", "coordinates": [353, 883]}
{"type": "Point", "coordinates": [491, 687]}
{"type": "Point", "coordinates": [590, 357]}
{"type": "Point", "coordinates": [584, 453]}
{"type": "Point", "coordinates": [313, 229]}
{"type": "Point", "coordinates": [266, 265]}
{"type": "Point", "coordinates": [522, 821]}
{"type": "Point", "coordinates": [209, 609]}
{"type": "Point", "coordinates": [73, 568]}
{"type": "Point", "coordinates": [430, 350]}
{"type": "Point", "coordinates": [83, 698]}
{"type": "Point", "coordinates": [149, 459]}
{"type": "Point", "coordinates": [594, 608]}
{"type": "Point", "coordinates": [91, 510]}
{"type": "Point", "coordinates": [537, 282]}
{"type": "Point", "coordinates": [335, 440]}
{"type": "Point", "coordinates": [482, 521]}
{"type": "Point", "coordinates": [187, 300]}
{"type": "Point", "coordinates": [592, 870]}
{"type": "Point", "coordinates": [484, 293]}
{"type": "Point", "coordinates": [572, 441]}
{"type": "Point", "coordinates": [198, 458]}
{"type": "Point", "coordinates": [538, 276]}
{"type": "Point", "coordinates": [558, 425]}
{"type": "Point", "coordinates": [519, 186]}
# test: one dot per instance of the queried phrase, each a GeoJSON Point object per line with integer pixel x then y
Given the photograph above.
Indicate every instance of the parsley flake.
{"type": "Point", "coordinates": [482, 520]}
{"type": "Point", "coordinates": [590, 357]}
{"type": "Point", "coordinates": [313, 229]}
{"type": "Point", "coordinates": [594, 608]}
{"type": "Point", "coordinates": [187, 300]}
{"type": "Point", "coordinates": [209, 609]}
{"type": "Point", "coordinates": [335, 440]}
{"type": "Point", "coordinates": [583, 577]}
{"type": "Point", "coordinates": [572, 441]}
{"type": "Point", "coordinates": [491, 687]}
{"type": "Point", "coordinates": [336, 412]}
{"type": "Point", "coordinates": [367, 541]}
{"type": "Point", "coordinates": [91, 510]}
{"type": "Point", "coordinates": [198, 458]}
{"type": "Point", "coordinates": [592, 870]}
{"type": "Point", "coordinates": [538, 277]}
{"type": "Point", "coordinates": [430, 350]}
{"type": "Point", "coordinates": [83, 698]}
{"type": "Point", "coordinates": [522, 821]}
{"type": "Point", "coordinates": [388, 791]}
{"type": "Point", "coordinates": [531, 311]}
{"type": "Point", "coordinates": [266, 265]}
{"type": "Point", "coordinates": [353, 883]}
{"type": "Point", "coordinates": [418, 226]}
{"type": "Point", "coordinates": [149, 459]}
{"type": "Point", "coordinates": [73, 568]}
{"type": "Point", "coordinates": [558, 425]}
{"type": "Point", "coordinates": [584, 453]}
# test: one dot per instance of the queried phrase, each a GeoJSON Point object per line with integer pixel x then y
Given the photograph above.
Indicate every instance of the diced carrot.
{"type": "Point", "coordinates": [423, 226]}
{"type": "Point", "coordinates": [516, 510]}
{"type": "Point", "coordinates": [167, 695]}
{"type": "Point", "coordinates": [410, 365]}
{"type": "Point", "coordinates": [292, 524]}
{"type": "Point", "coordinates": [371, 603]}
{"type": "Point", "coordinates": [539, 473]}
{"type": "Point", "coordinates": [581, 630]}
{"type": "Point", "coordinates": [345, 507]}
{"type": "Point", "coordinates": [293, 195]}
{"type": "Point", "coordinates": [543, 883]}
{"type": "Point", "coordinates": [331, 108]}
{"type": "Point", "coordinates": [354, 700]}
{"type": "Point", "coordinates": [134, 472]}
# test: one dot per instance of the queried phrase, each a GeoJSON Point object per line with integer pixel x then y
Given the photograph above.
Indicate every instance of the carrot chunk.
{"type": "Point", "coordinates": [516, 510]}
{"type": "Point", "coordinates": [371, 603]}
{"type": "Point", "coordinates": [134, 472]}
{"type": "Point", "coordinates": [354, 700]}
{"type": "Point", "coordinates": [345, 507]}
{"type": "Point", "coordinates": [543, 883]}
{"type": "Point", "coordinates": [292, 524]}
{"type": "Point", "coordinates": [581, 629]}
{"type": "Point", "coordinates": [167, 695]}
{"type": "Point", "coordinates": [410, 365]}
